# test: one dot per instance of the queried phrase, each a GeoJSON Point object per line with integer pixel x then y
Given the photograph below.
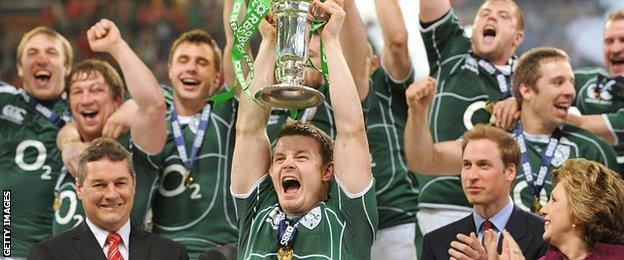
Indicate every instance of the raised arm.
{"type": "Point", "coordinates": [432, 10]}
{"type": "Point", "coordinates": [395, 56]}
{"type": "Point", "coordinates": [351, 155]}
{"type": "Point", "coordinates": [148, 130]}
{"type": "Point", "coordinates": [354, 45]}
{"type": "Point", "coordinates": [422, 155]}
{"type": "Point", "coordinates": [252, 154]}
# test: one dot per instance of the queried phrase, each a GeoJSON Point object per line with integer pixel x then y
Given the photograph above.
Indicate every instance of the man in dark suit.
{"type": "Point", "coordinates": [105, 184]}
{"type": "Point", "coordinates": [490, 159]}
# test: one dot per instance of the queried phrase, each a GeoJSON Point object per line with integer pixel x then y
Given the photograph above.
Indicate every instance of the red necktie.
{"type": "Point", "coordinates": [487, 225]}
{"type": "Point", "coordinates": [113, 240]}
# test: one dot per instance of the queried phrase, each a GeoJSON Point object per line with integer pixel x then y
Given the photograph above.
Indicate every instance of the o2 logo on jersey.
{"type": "Point", "coordinates": [603, 93]}
{"type": "Point", "coordinates": [39, 162]}
{"type": "Point", "coordinates": [470, 112]}
{"type": "Point", "coordinates": [176, 174]}
{"type": "Point", "coordinates": [70, 215]}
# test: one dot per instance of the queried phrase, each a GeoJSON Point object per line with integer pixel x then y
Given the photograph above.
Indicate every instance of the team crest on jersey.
{"type": "Point", "coordinates": [562, 153]}
{"type": "Point", "coordinates": [599, 94]}
{"type": "Point", "coordinates": [13, 114]}
{"type": "Point", "coordinates": [309, 220]}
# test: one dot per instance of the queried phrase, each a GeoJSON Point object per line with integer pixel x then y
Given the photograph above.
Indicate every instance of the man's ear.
{"type": "Point", "coordinates": [79, 188]}
{"type": "Point", "coordinates": [526, 91]}
{"type": "Point", "coordinates": [510, 172]}
{"type": "Point", "coordinates": [328, 172]}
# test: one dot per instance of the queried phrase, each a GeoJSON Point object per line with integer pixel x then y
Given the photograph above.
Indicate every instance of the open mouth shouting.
{"type": "Point", "coordinates": [42, 77]}
{"type": "Point", "coordinates": [290, 185]}
{"type": "Point", "coordinates": [489, 34]}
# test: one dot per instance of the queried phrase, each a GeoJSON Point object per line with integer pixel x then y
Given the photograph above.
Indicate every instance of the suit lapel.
{"type": "Point", "coordinates": [516, 226]}
{"type": "Point", "coordinates": [139, 245]}
{"type": "Point", "coordinates": [85, 244]}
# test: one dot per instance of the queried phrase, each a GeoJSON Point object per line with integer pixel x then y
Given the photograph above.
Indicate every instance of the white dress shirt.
{"type": "Point", "coordinates": [101, 236]}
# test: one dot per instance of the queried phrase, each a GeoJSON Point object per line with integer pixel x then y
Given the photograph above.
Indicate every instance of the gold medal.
{"type": "Point", "coordinates": [189, 180]}
{"type": "Point", "coordinates": [536, 206]}
{"type": "Point", "coordinates": [57, 202]}
{"type": "Point", "coordinates": [285, 253]}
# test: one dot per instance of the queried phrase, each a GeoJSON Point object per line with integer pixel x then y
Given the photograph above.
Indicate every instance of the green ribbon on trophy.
{"type": "Point", "coordinates": [289, 93]}
{"type": "Point", "coordinates": [257, 10]}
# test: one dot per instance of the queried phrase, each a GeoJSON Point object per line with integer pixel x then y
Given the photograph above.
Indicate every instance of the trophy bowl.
{"type": "Point", "coordinates": [292, 29]}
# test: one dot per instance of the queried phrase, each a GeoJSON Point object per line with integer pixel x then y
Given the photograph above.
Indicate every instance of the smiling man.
{"type": "Point", "coordinates": [310, 197]}
{"type": "Point", "coordinates": [30, 119]}
{"type": "Point", "coordinates": [543, 85]}
{"type": "Point", "coordinates": [95, 92]}
{"type": "Point", "coordinates": [490, 158]}
{"type": "Point", "coordinates": [470, 70]}
{"type": "Point", "coordinates": [105, 183]}
{"type": "Point", "coordinates": [601, 94]}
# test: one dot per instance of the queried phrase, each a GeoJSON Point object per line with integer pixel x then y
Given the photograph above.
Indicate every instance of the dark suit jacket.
{"type": "Point", "coordinates": [525, 227]}
{"type": "Point", "coordinates": [80, 243]}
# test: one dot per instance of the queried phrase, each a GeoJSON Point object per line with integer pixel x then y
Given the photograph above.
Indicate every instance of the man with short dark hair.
{"type": "Point", "coordinates": [490, 158]}
{"type": "Point", "coordinates": [105, 183]}
{"type": "Point", "coordinates": [305, 199]}
{"type": "Point", "coordinates": [95, 92]}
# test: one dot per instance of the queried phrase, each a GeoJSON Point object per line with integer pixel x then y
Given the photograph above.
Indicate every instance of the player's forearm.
{"type": "Point", "coordinates": [395, 55]}
{"type": "Point", "coordinates": [355, 46]}
{"type": "Point", "coordinates": [140, 80]}
{"type": "Point", "coordinates": [597, 125]}
{"type": "Point", "coordinates": [431, 10]}
{"type": "Point", "coordinates": [422, 154]}
{"type": "Point", "coordinates": [345, 101]}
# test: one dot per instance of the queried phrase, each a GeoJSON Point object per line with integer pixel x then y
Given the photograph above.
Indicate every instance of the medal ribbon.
{"type": "Point", "coordinates": [536, 185]}
{"type": "Point", "coordinates": [504, 81]}
{"type": "Point", "coordinates": [44, 111]}
{"type": "Point", "coordinates": [287, 232]}
{"type": "Point", "coordinates": [199, 137]}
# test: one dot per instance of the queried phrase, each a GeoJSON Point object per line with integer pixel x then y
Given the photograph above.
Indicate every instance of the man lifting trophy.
{"type": "Point", "coordinates": [293, 27]}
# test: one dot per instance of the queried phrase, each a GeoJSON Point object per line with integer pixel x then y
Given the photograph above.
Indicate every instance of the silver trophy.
{"type": "Point", "coordinates": [292, 52]}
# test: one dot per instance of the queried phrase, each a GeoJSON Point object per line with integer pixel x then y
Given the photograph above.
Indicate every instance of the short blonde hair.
{"type": "Point", "coordinates": [595, 198]}
{"type": "Point", "coordinates": [67, 49]}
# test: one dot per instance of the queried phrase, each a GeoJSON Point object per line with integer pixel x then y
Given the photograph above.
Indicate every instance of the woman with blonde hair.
{"type": "Point", "coordinates": [584, 216]}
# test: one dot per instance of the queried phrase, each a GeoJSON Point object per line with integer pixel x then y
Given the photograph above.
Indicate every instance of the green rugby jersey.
{"type": "Point", "coordinates": [343, 227]}
{"type": "Point", "coordinates": [574, 143]}
{"type": "Point", "coordinates": [594, 97]}
{"type": "Point", "coordinates": [71, 213]}
{"type": "Point", "coordinates": [202, 215]}
{"type": "Point", "coordinates": [462, 92]}
{"type": "Point", "coordinates": [396, 188]}
{"type": "Point", "coordinates": [30, 163]}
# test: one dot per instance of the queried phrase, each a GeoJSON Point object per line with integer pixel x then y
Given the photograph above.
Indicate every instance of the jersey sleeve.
{"type": "Point", "coordinates": [360, 214]}
{"type": "Point", "coordinates": [443, 39]}
{"type": "Point", "coordinates": [260, 196]}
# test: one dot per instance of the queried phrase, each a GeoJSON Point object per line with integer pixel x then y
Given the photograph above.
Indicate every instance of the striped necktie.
{"type": "Point", "coordinates": [113, 240]}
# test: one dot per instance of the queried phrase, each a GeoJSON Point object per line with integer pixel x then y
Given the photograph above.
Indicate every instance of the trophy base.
{"type": "Point", "coordinates": [290, 96]}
